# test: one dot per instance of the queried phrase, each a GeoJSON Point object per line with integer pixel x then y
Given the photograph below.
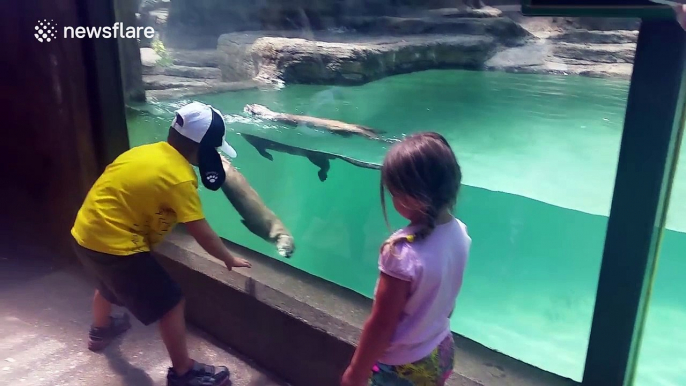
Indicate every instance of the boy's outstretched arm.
{"type": "Point", "coordinates": [210, 242]}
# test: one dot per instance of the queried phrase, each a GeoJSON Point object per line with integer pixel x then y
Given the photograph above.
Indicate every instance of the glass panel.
{"type": "Point", "coordinates": [663, 355]}
{"type": "Point", "coordinates": [538, 148]}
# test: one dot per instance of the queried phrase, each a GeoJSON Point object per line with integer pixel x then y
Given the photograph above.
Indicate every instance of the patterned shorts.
{"type": "Point", "coordinates": [433, 370]}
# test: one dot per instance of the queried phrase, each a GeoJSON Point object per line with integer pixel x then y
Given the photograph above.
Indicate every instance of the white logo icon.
{"type": "Point", "coordinates": [45, 30]}
{"type": "Point", "coordinates": [212, 177]}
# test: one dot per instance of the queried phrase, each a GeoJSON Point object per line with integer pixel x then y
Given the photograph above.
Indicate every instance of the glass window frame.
{"type": "Point", "coordinates": [648, 157]}
{"type": "Point", "coordinates": [656, 101]}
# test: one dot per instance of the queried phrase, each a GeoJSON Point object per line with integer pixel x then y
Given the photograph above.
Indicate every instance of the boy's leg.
{"type": "Point", "coordinates": [173, 332]}
{"type": "Point", "coordinates": [102, 309]}
{"type": "Point", "coordinates": [141, 285]}
{"type": "Point", "coordinates": [185, 371]}
{"type": "Point", "coordinates": [105, 327]}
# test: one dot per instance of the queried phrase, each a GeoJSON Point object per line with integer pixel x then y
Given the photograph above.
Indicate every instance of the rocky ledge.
{"type": "Point", "coordinates": [375, 48]}
{"type": "Point", "coordinates": [372, 48]}
{"type": "Point", "coordinates": [345, 59]}
{"type": "Point", "coordinates": [160, 87]}
{"type": "Point", "coordinates": [191, 72]}
{"type": "Point", "coordinates": [384, 46]}
{"type": "Point", "coordinates": [578, 52]}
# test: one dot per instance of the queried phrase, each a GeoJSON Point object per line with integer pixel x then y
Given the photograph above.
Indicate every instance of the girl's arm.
{"type": "Point", "coordinates": [389, 303]}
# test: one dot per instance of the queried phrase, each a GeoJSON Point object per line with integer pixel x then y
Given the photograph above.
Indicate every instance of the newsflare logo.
{"type": "Point", "coordinates": [46, 31]}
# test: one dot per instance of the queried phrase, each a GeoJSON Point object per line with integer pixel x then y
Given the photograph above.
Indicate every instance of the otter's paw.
{"type": "Point", "coordinates": [285, 245]}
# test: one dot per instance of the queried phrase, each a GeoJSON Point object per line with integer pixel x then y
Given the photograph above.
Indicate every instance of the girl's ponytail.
{"type": "Point", "coordinates": [389, 246]}
{"type": "Point", "coordinates": [424, 168]}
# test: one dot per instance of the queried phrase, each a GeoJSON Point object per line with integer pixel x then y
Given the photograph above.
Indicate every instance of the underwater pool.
{"type": "Point", "coordinates": [539, 155]}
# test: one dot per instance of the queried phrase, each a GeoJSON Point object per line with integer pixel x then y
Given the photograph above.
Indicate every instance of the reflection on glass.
{"type": "Point", "coordinates": [538, 151]}
{"type": "Point", "coordinates": [663, 355]}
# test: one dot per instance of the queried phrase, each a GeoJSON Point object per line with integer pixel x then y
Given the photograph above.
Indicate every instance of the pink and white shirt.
{"type": "Point", "coordinates": [435, 267]}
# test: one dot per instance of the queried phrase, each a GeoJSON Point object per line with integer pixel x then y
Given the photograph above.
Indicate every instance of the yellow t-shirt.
{"type": "Point", "coordinates": [137, 200]}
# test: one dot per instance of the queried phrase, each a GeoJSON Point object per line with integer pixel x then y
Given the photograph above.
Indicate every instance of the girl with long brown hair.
{"type": "Point", "coordinates": [407, 339]}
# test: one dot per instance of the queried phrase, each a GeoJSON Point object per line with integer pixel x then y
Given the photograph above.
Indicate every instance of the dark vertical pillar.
{"type": "Point", "coordinates": [129, 52]}
{"type": "Point", "coordinates": [46, 150]}
{"type": "Point", "coordinates": [106, 95]}
{"type": "Point", "coordinates": [59, 113]}
{"type": "Point", "coordinates": [649, 148]}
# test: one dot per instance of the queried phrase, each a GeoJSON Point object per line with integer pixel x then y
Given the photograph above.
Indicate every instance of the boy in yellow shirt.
{"type": "Point", "coordinates": [129, 209]}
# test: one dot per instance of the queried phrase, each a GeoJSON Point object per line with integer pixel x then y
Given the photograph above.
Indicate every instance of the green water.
{"type": "Point", "coordinates": [539, 155]}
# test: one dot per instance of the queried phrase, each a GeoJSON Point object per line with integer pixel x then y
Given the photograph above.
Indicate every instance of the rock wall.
{"type": "Point", "coordinates": [198, 23]}
{"type": "Point", "coordinates": [332, 60]}
{"type": "Point", "coordinates": [386, 46]}
{"type": "Point", "coordinates": [219, 45]}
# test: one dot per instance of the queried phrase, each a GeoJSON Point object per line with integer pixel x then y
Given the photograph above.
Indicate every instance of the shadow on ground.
{"type": "Point", "coordinates": [44, 319]}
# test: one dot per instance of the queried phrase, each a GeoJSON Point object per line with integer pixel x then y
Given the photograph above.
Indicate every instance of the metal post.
{"type": "Point", "coordinates": [647, 159]}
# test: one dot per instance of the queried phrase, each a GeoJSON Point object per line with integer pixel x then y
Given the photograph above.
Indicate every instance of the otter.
{"type": "Point", "coordinates": [336, 127]}
{"type": "Point", "coordinates": [318, 158]}
{"type": "Point", "coordinates": [257, 217]}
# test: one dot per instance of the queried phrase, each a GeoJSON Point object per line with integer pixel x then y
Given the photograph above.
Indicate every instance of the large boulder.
{"type": "Point", "coordinates": [345, 58]}
{"type": "Point", "coordinates": [378, 47]}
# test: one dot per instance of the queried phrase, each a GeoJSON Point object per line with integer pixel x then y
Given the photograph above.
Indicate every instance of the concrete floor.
{"type": "Point", "coordinates": [44, 320]}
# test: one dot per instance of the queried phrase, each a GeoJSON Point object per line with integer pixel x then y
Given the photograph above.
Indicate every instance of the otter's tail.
{"type": "Point", "coordinates": [362, 164]}
{"type": "Point", "coordinates": [371, 130]}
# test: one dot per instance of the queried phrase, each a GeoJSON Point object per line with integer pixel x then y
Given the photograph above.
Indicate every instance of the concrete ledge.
{"type": "Point", "coordinates": [301, 327]}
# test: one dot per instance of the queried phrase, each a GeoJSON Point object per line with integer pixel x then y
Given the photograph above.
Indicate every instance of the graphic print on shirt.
{"type": "Point", "coordinates": [163, 221]}
{"type": "Point", "coordinates": [153, 230]}
{"type": "Point", "coordinates": [139, 237]}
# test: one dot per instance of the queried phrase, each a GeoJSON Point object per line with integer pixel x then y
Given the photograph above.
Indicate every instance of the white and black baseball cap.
{"type": "Point", "coordinates": [204, 125]}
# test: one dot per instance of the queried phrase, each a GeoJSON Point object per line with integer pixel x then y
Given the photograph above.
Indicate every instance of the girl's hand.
{"type": "Point", "coordinates": [389, 303]}
{"type": "Point", "coordinates": [352, 377]}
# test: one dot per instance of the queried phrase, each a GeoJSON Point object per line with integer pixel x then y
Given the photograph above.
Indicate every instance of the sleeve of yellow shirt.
{"type": "Point", "coordinates": [185, 201]}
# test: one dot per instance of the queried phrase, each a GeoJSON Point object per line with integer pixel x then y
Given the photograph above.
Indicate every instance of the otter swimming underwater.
{"type": "Point", "coordinates": [333, 126]}
{"type": "Point", "coordinates": [319, 158]}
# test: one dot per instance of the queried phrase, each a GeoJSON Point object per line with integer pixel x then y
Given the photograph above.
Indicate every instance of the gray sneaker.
{"type": "Point", "coordinates": [200, 375]}
{"type": "Point", "coordinates": [99, 338]}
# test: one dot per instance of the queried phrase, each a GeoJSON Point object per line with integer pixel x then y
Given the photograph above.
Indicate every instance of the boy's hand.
{"type": "Point", "coordinates": [237, 262]}
{"type": "Point", "coordinates": [210, 242]}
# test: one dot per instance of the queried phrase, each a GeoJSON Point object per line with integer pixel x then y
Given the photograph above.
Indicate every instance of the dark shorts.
{"type": "Point", "coordinates": [137, 282]}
